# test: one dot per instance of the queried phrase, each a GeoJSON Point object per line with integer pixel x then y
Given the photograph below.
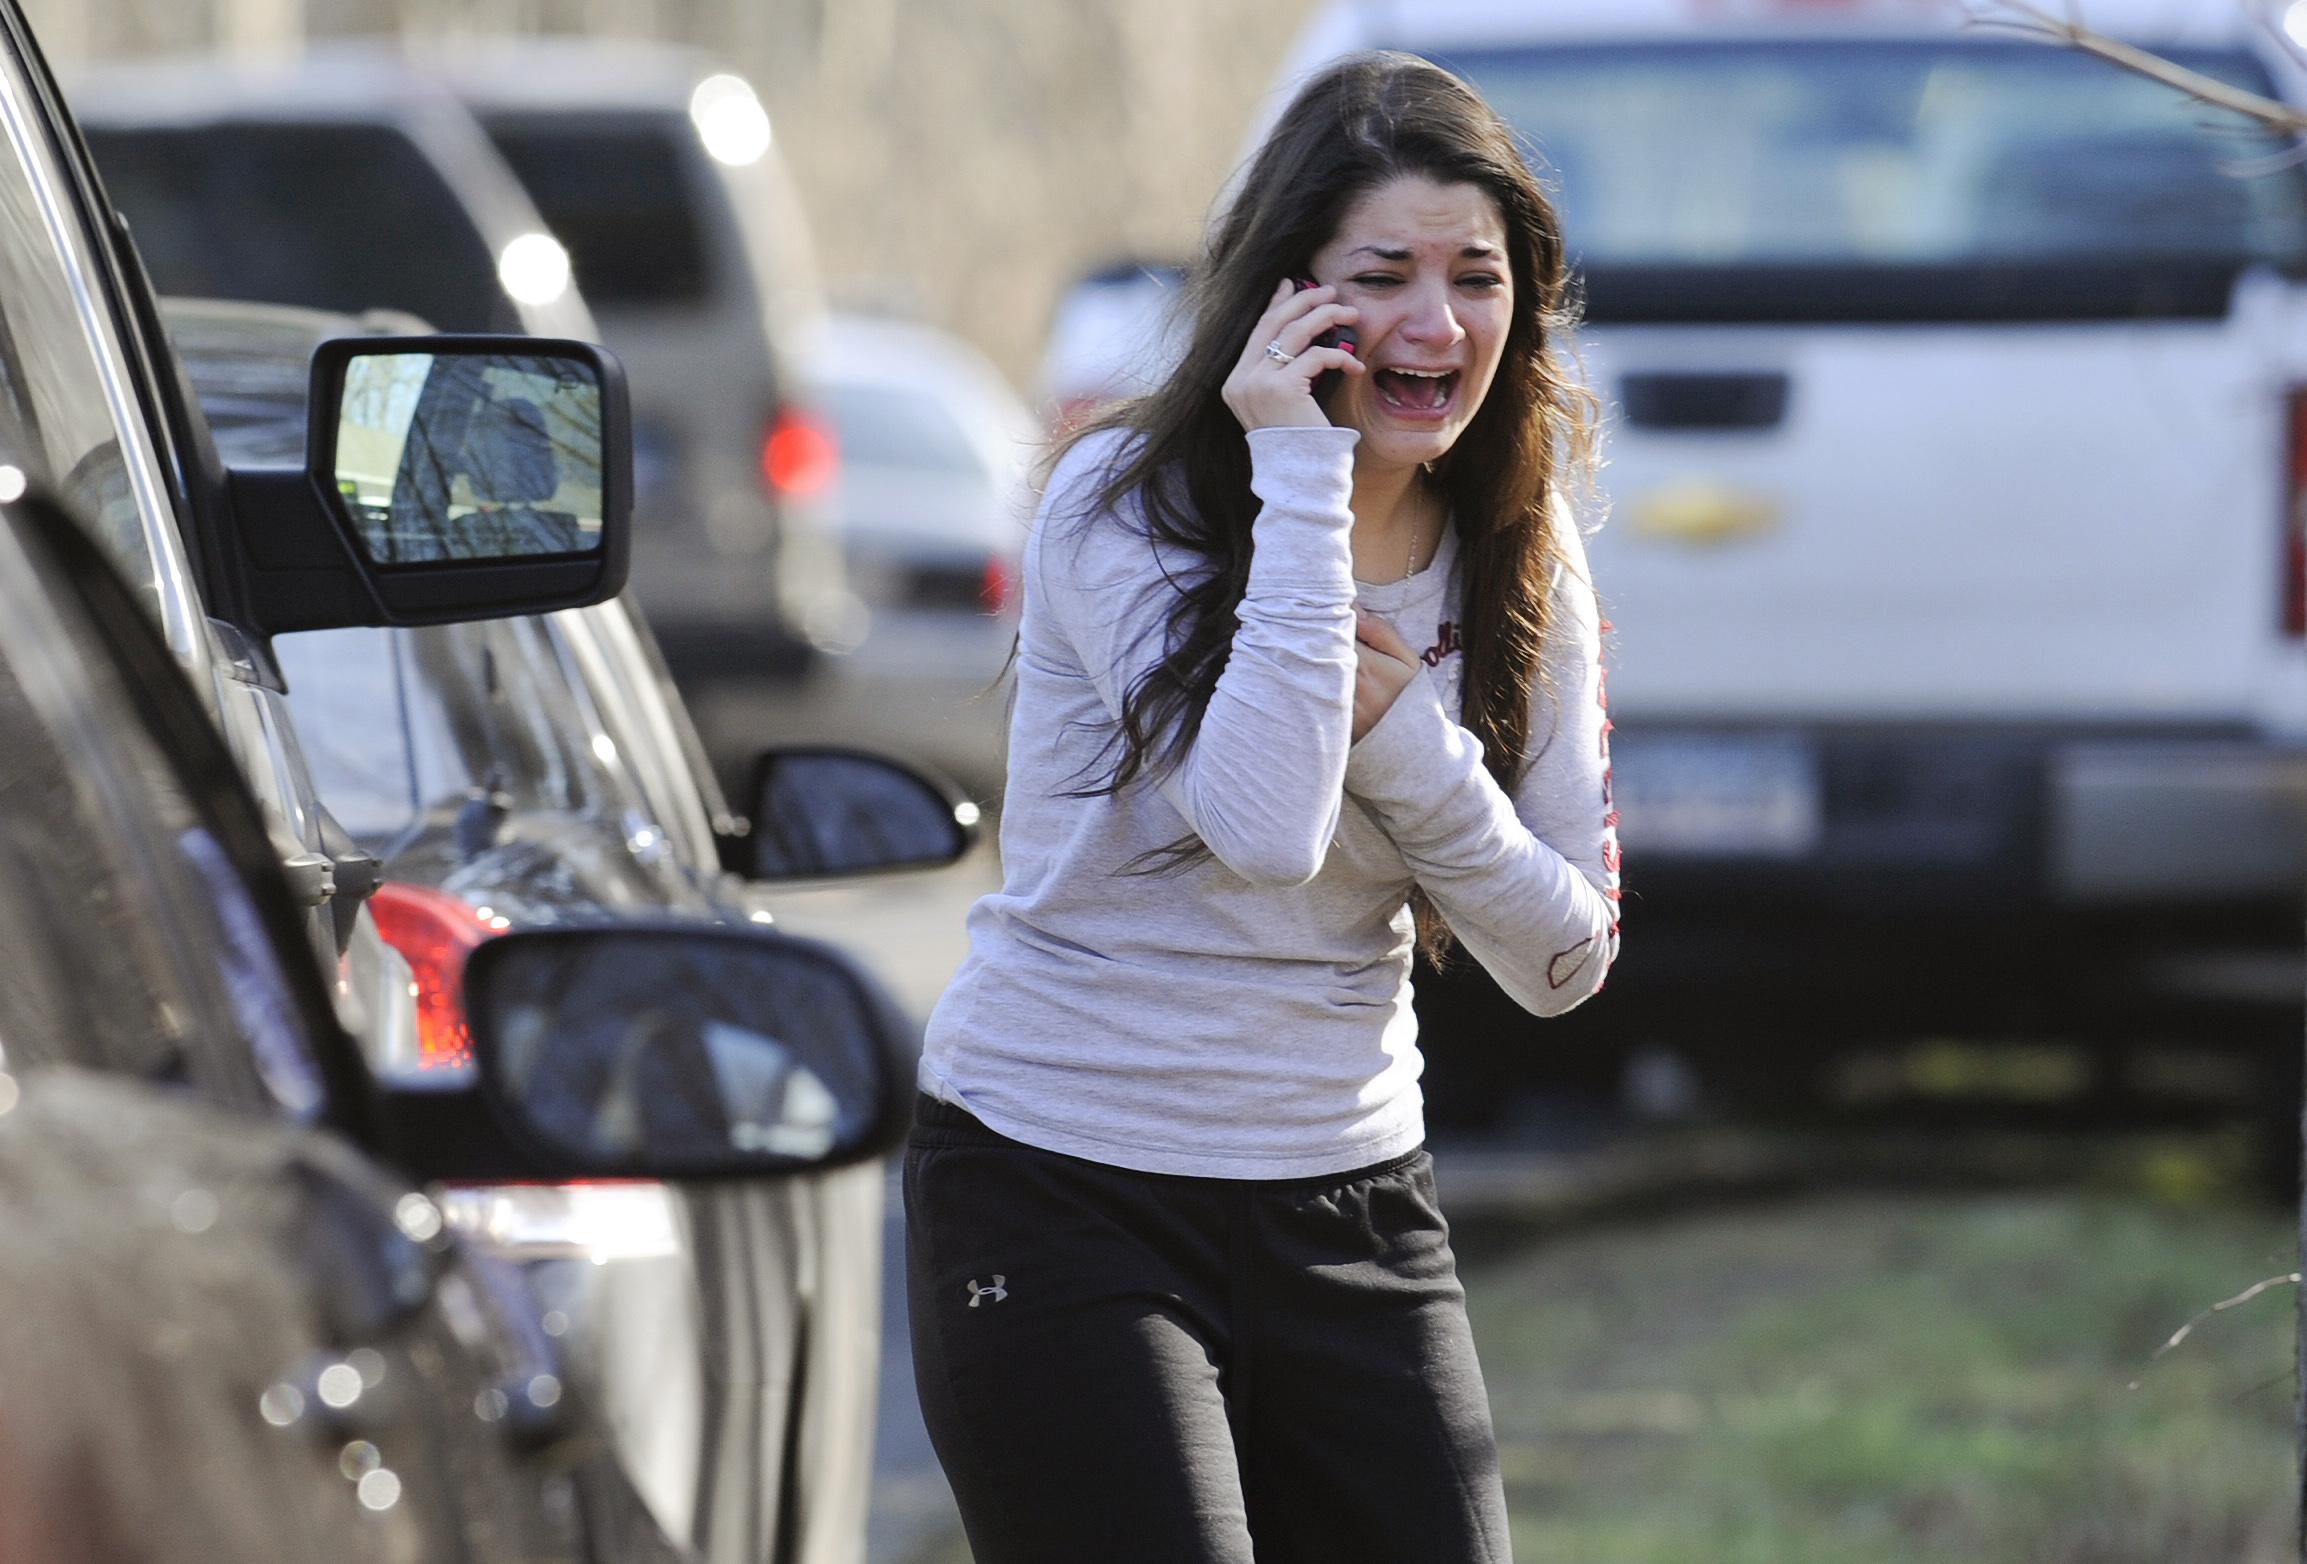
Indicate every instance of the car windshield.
{"type": "Point", "coordinates": [334, 217]}
{"type": "Point", "coordinates": [1757, 154]}
{"type": "Point", "coordinates": [615, 191]}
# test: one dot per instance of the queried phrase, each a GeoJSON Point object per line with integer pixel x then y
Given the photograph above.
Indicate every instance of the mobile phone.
{"type": "Point", "coordinates": [1326, 383]}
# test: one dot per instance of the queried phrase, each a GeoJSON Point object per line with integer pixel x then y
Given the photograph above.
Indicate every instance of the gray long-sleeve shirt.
{"type": "Point", "coordinates": [1249, 1017]}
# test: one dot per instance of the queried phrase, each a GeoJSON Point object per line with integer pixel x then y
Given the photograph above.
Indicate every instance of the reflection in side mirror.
{"type": "Point", "coordinates": [683, 1052]}
{"type": "Point", "coordinates": [821, 813]}
{"type": "Point", "coordinates": [470, 457]}
{"type": "Point", "coordinates": [446, 478]}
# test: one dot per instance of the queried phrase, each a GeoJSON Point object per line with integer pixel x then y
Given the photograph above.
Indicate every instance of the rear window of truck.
{"type": "Point", "coordinates": [1889, 180]}
{"type": "Point", "coordinates": [615, 191]}
{"type": "Point", "coordinates": [332, 217]}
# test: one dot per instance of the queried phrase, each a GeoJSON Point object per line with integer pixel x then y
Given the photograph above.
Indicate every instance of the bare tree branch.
{"type": "Point", "coordinates": [2245, 1296]}
{"type": "Point", "coordinates": [2034, 21]}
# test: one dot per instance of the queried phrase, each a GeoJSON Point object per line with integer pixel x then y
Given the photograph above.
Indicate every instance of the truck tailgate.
{"type": "Point", "coordinates": [2079, 521]}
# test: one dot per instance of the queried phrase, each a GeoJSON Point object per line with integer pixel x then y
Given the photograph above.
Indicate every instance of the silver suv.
{"type": "Point", "coordinates": [659, 171]}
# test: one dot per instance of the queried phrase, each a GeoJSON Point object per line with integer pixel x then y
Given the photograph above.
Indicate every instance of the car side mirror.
{"type": "Point", "coordinates": [663, 1052]}
{"type": "Point", "coordinates": [830, 813]}
{"type": "Point", "coordinates": [446, 478]}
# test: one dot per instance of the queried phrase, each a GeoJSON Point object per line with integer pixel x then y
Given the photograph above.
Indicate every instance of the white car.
{"type": "Point", "coordinates": [937, 457]}
{"type": "Point", "coordinates": [1114, 333]}
{"type": "Point", "coordinates": [937, 454]}
{"type": "Point", "coordinates": [1957, 396]}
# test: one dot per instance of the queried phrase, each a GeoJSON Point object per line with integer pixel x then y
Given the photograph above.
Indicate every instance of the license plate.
{"type": "Point", "coordinates": [1716, 795]}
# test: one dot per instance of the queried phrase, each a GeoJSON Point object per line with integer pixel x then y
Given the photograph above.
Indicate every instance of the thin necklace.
{"type": "Point", "coordinates": [1410, 565]}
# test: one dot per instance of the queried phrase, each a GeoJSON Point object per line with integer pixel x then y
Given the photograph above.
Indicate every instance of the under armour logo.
{"type": "Point", "coordinates": [995, 1293]}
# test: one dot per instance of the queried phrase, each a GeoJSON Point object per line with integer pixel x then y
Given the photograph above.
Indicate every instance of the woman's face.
{"type": "Point", "coordinates": [1425, 263]}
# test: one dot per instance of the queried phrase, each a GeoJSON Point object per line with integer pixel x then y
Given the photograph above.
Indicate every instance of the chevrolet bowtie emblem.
{"type": "Point", "coordinates": [1700, 510]}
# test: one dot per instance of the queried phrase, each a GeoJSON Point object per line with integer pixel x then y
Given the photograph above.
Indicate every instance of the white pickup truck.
{"type": "Point", "coordinates": [1956, 452]}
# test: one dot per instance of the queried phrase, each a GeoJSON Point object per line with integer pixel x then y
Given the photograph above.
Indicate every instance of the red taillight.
{"type": "Point", "coordinates": [2295, 513]}
{"type": "Point", "coordinates": [798, 455]}
{"type": "Point", "coordinates": [434, 932]}
{"type": "Point", "coordinates": [1074, 412]}
{"type": "Point", "coordinates": [994, 588]}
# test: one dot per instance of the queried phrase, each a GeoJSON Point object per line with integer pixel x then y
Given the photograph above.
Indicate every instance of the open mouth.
{"type": "Point", "coordinates": [1417, 390]}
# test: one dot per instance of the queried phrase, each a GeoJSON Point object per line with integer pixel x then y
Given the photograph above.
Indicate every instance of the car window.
{"type": "Point", "coordinates": [887, 426]}
{"type": "Point", "coordinates": [615, 190]}
{"type": "Point", "coordinates": [400, 727]}
{"type": "Point", "coordinates": [131, 942]}
{"type": "Point", "coordinates": [264, 211]}
{"type": "Point", "coordinates": [1773, 152]}
{"type": "Point", "coordinates": [358, 730]}
{"type": "Point", "coordinates": [635, 714]}
{"type": "Point", "coordinates": [252, 375]}
{"type": "Point", "coordinates": [57, 399]}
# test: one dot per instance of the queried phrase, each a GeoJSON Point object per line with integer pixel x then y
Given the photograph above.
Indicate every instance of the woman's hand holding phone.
{"type": "Point", "coordinates": [1273, 384]}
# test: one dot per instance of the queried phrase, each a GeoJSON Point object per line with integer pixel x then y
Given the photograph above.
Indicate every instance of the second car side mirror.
{"type": "Point", "coordinates": [662, 1052]}
{"type": "Point", "coordinates": [446, 478]}
{"type": "Point", "coordinates": [822, 814]}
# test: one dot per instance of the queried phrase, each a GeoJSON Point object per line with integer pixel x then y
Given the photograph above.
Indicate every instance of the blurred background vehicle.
{"type": "Point", "coordinates": [1115, 333]}
{"type": "Point", "coordinates": [659, 172]}
{"type": "Point", "coordinates": [1953, 481]}
{"type": "Point", "coordinates": [938, 454]}
{"type": "Point", "coordinates": [937, 458]}
{"type": "Point", "coordinates": [277, 184]}
{"type": "Point", "coordinates": [542, 771]}
{"type": "Point", "coordinates": [273, 183]}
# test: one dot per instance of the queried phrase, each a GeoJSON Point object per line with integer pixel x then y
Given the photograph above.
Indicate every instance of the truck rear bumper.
{"type": "Point", "coordinates": [1913, 818]}
{"type": "Point", "coordinates": [2145, 821]}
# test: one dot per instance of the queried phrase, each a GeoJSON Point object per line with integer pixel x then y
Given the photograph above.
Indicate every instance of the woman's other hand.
{"type": "Point", "coordinates": [1273, 384]}
{"type": "Point", "coordinates": [1384, 664]}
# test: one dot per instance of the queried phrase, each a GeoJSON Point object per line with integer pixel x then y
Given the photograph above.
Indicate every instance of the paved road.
{"type": "Point", "coordinates": [908, 929]}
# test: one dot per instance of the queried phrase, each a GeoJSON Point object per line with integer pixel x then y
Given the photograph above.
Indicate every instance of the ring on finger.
{"type": "Point", "coordinates": [1274, 352]}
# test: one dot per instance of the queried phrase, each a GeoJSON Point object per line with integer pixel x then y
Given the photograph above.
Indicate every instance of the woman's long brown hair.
{"type": "Point", "coordinates": [1366, 121]}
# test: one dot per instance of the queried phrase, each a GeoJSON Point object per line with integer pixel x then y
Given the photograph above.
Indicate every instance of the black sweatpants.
{"type": "Point", "coordinates": [1120, 1366]}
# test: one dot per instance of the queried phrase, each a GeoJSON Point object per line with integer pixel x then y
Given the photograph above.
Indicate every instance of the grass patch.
{"type": "Point", "coordinates": [1847, 1380]}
